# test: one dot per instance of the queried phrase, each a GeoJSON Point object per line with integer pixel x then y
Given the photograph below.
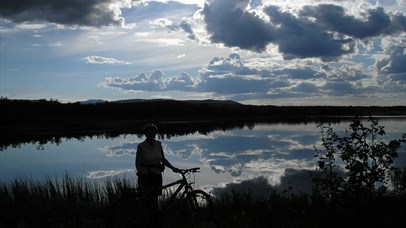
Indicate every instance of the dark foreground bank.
{"type": "Point", "coordinates": [72, 202]}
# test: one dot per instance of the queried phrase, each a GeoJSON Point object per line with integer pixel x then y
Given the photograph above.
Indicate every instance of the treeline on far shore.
{"type": "Point", "coordinates": [15, 114]}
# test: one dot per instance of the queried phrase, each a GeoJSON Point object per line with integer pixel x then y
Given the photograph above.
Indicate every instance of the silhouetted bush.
{"type": "Point", "coordinates": [367, 158]}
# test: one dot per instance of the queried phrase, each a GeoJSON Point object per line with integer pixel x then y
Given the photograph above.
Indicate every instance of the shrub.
{"type": "Point", "coordinates": [366, 156]}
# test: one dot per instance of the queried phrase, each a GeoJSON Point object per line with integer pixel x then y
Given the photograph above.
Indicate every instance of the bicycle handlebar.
{"type": "Point", "coordinates": [192, 170]}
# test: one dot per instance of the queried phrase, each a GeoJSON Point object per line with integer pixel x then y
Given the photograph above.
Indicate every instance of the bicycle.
{"type": "Point", "coordinates": [184, 205]}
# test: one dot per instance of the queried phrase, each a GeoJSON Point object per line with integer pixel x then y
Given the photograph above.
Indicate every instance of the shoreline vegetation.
{"type": "Point", "coordinates": [70, 202]}
{"type": "Point", "coordinates": [42, 121]}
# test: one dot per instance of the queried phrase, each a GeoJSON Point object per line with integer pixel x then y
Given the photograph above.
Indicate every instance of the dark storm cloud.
{"type": "Point", "coordinates": [228, 23]}
{"type": "Point", "coordinates": [94, 13]}
{"type": "Point", "coordinates": [334, 18]}
{"type": "Point", "coordinates": [322, 31]}
{"type": "Point", "coordinates": [299, 38]}
{"type": "Point", "coordinates": [398, 23]}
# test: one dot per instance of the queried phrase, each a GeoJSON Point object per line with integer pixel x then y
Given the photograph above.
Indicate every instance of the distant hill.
{"type": "Point", "coordinates": [215, 102]}
{"type": "Point", "coordinates": [139, 100]}
{"type": "Point", "coordinates": [93, 101]}
{"type": "Point", "coordinates": [207, 101]}
{"type": "Point", "coordinates": [135, 101]}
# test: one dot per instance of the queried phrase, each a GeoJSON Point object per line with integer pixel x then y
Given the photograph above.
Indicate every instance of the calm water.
{"type": "Point", "coordinates": [279, 153]}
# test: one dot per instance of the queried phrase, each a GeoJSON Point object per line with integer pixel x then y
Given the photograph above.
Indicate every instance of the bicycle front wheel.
{"type": "Point", "coordinates": [200, 206]}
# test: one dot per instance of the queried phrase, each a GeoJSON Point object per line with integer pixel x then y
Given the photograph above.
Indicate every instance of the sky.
{"type": "Point", "coordinates": [270, 52]}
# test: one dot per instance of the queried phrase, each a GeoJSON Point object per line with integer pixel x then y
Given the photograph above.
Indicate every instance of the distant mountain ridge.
{"type": "Point", "coordinates": [207, 101]}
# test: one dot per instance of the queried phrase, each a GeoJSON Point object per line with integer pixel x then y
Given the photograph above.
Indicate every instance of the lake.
{"type": "Point", "coordinates": [279, 153]}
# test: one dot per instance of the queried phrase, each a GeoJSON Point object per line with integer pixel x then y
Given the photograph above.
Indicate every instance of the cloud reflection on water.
{"type": "Point", "coordinates": [283, 155]}
{"type": "Point", "coordinates": [106, 173]}
{"type": "Point", "coordinates": [124, 149]}
{"type": "Point", "coordinates": [241, 153]}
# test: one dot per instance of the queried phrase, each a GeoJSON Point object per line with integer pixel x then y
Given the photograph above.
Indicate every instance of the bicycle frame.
{"type": "Point", "coordinates": [193, 204]}
{"type": "Point", "coordinates": [183, 184]}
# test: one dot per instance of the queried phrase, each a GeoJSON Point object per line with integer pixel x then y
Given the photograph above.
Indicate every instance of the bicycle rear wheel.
{"type": "Point", "coordinates": [199, 206]}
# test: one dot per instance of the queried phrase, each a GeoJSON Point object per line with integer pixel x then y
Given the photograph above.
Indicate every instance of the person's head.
{"type": "Point", "coordinates": [150, 131]}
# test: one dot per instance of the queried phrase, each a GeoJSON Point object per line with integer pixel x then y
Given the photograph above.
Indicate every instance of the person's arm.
{"type": "Point", "coordinates": [168, 164]}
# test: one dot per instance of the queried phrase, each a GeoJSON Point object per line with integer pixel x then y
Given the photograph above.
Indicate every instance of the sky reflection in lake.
{"type": "Point", "coordinates": [278, 152]}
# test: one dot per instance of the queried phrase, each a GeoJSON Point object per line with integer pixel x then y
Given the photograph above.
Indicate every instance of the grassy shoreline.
{"type": "Point", "coordinates": [69, 202]}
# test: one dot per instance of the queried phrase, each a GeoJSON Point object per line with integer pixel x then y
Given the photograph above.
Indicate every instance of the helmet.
{"type": "Point", "coordinates": [150, 126]}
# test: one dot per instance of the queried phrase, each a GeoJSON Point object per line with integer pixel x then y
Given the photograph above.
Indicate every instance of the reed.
{"type": "Point", "coordinates": [64, 202]}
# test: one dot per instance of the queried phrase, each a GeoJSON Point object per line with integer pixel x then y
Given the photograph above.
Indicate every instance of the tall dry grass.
{"type": "Point", "coordinates": [61, 202]}
{"type": "Point", "coordinates": [75, 202]}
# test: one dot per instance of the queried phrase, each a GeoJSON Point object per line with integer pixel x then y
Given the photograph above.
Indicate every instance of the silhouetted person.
{"type": "Point", "coordinates": [150, 162]}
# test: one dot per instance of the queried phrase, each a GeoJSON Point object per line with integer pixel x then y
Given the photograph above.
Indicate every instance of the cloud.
{"type": "Point", "coordinates": [91, 13]}
{"type": "Point", "coordinates": [267, 153]}
{"type": "Point", "coordinates": [295, 181]}
{"type": "Point", "coordinates": [375, 22]}
{"type": "Point", "coordinates": [106, 173]}
{"type": "Point", "coordinates": [227, 22]}
{"type": "Point", "coordinates": [154, 81]}
{"type": "Point", "coordinates": [231, 75]}
{"type": "Point", "coordinates": [185, 26]}
{"type": "Point", "coordinates": [299, 181]}
{"type": "Point", "coordinates": [182, 82]}
{"type": "Point", "coordinates": [163, 23]}
{"type": "Point", "coordinates": [393, 61]}
{"type": "Point", "coordinates": [125, 149]}
{"type": "Point", "coordinates": [298, 38]}
{"type": "Point", "coordinates": [238, 79]}
{"type": "Point", "coordinates": [257, 187]}
{"type": "Point", "coordinates": [103, 60]}
{"type": "Point", "coordinates": [324, 31]}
